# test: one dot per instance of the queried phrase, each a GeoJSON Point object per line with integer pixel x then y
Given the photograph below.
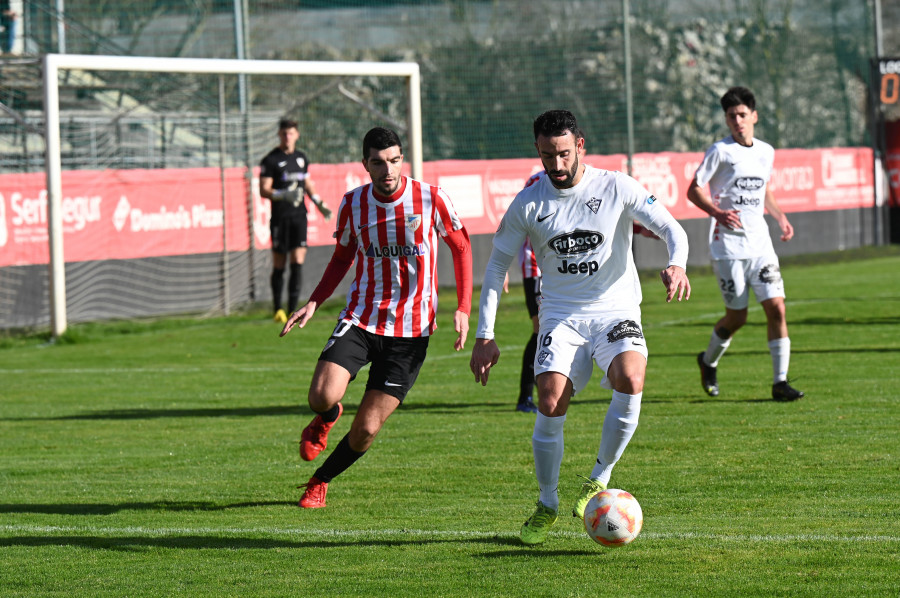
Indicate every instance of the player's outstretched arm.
{"type": "Point", "coordinates": [676, 282]}
{"type": "Point", "coordinates": [299, 317]}
{"type": "Point", "coordinates": [485, 355]}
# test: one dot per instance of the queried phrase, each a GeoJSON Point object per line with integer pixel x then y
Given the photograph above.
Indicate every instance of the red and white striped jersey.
{"type": "Point", "coordinates": [394, 292]}
{"type": "Point", "coordinates": [527, 260]}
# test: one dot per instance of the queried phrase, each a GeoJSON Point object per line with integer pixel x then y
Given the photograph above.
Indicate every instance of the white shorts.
{"type": "Point", "coordinates": [736, 277]}
{"type": "Point", "coordinates": [571, 346]}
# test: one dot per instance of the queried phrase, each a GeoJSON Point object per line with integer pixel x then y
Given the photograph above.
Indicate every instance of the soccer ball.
{"type": "Point", "coordinates": [613, 518]}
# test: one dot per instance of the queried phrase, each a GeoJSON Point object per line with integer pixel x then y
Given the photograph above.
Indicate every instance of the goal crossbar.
{"type": "Point", "coordinates": [53, 63]}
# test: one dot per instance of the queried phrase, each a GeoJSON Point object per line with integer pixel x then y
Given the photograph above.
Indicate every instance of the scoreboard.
{"type": "Point", "coordinates": [886, 80]}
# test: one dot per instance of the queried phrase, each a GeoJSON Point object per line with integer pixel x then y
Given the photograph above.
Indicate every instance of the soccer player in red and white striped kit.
{"type": "Point", "coordinates": [390, 228]}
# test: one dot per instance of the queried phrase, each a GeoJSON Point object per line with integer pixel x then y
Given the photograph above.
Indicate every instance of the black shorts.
{"type": "Point", "coordinates": [532, 294]}
{"type": "Point", "coordinates": [396, 361]}
{"type": "Point", "coordinates": [288, 232]}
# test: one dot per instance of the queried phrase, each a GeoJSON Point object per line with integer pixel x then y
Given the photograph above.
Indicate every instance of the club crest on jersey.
{"type": "Point", "coordinates": [389, 251]}
{"type": "Point", "coordinates": [594, 204]}
{"type": "Point", "coordinates": [579, 241]}
{"type": "Point", "coordinates": [301, 162]}
{"type": "Point", "coordinates": [624, 329]}
{"type": "Point", "coordinates": [414, 222]}
{"type": "Point", "coordinates": [543, 357]}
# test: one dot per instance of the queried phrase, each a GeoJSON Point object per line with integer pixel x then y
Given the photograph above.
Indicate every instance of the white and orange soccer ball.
{"type": "Point", "coordinates": [613, 518]}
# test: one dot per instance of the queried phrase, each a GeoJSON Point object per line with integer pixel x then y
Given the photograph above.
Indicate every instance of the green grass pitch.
{"type": "Point", "coordinates": [160, 459]}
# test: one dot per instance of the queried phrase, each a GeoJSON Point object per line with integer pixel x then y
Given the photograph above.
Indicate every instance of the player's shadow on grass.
{"type": "Point", "coordinates": [193, 542]}
{"type": "Point", "coordinates": [125, 414]}
{"type": "Point", "coordinates": [536, 552]}
{"type": "Point", "coordinates": [111, 508]}
{"type": "Point", "coordinates": [725, 400]}
{"type": "Point", "coordinates": [275, 410]}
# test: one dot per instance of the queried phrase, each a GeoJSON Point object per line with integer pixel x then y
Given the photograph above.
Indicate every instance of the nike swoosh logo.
{"type": "Point", "coordinates": [637, 344]}
{"type": "Point", "coordinates": [391, 384]}
{"type": "Point", "coordinates": [542, 218]}
{"type": "Point", "coordinates": [282, 164]}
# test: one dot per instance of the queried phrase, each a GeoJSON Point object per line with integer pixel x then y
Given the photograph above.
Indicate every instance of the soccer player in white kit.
{"type": "Point", "coordinates": [579, 220]}
{"type": "Point", "coordinates": [737, 170]}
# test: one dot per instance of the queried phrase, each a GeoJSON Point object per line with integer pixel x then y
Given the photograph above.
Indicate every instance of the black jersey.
{"type": "Point", "coordinates": [284, 169]}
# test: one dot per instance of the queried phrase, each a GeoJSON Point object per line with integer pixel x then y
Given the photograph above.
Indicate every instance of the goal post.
{"type": "Point", "coordinates": [54, 63]}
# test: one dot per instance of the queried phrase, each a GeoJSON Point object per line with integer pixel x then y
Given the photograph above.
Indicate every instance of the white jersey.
{"type": "Point", "coordinates": [737, 177]}
{"type": "Point", "coordinates": [582, 239]}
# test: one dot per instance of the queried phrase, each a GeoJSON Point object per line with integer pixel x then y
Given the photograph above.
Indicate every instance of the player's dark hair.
{"type": "Point", "coordinates": [287, 123]}
{"type": "Point", "coordinates": [555, 123]}
{"type": "Point", "coordinates": [737, 96]}
{"type": "Point", "coordinates": [380, 138]}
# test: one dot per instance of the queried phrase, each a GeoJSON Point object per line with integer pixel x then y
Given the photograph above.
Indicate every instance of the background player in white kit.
{"type": "Point", "coordinates": [579, 220]}
{"type": "Point", "coordinates": [737, 170]}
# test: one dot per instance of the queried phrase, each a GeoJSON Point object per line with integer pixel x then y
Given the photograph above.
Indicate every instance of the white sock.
{"type": "Point", "coordinates": [716, 348]}
{"type": "Point", "coordinates": [618, 427]}
{"type": "Point", "coordinates": [780, 348]}
{"type": "Point", "coordinates": [547, 445]}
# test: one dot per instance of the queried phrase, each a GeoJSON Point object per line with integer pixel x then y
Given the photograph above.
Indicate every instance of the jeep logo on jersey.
{"type": "Point", "coordinates": [579, 241]}
{"type": "Point", "coordinates": [750, 183]}
{"type": "Point", "coordinates": [588, 267]}
{"type": "Point", "coordinates": [413, 222]}
{"type": "Point", "coordinates": [624, 329]}
{"type": "Point", "coordinates": [386, 251]}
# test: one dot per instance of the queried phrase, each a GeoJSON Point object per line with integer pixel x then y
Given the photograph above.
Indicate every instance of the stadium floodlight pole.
{"type": "Point", "coordinates": [629, 101]}
{"type": "Point", "coordinates": [226, 302]}
{"type": "Point", "coordinates": [878, 146]}
{"type": "Point", "coordinates": [210, 66]}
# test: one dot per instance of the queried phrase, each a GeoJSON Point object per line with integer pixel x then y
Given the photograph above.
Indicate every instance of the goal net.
{"type": "Point", "coordinates": [151, 195]}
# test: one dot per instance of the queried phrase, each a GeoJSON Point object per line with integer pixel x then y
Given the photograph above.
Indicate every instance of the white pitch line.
{"type": "Point", "coordinates": [151, 532]}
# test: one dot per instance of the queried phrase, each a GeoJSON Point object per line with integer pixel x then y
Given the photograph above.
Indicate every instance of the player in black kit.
{"type": "Point", "coordinates": [284, 179]}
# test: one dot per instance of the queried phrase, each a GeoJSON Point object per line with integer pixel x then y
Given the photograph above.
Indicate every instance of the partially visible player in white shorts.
{"type": "Point", "coordinates": [571, 347]}
{"type": "Point", "coordinates": [737, 277]}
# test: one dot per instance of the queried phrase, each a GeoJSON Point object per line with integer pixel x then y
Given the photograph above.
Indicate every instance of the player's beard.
{"type": "Point", "coordinates": [569, 181]}
{"type": "Point", "coordinates": [384, 190]}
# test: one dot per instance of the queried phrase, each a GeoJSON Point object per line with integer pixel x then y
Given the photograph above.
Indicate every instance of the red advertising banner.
{"type": "Point", "coordinates": [125, 214]}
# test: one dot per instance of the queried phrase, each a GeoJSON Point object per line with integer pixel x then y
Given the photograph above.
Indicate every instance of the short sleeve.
{"type": "Point", "coordinates": [708, 166]}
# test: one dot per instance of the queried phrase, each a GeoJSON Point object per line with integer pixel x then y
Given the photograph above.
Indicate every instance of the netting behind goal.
{"type": "Point", "coordinates": [155, 207]}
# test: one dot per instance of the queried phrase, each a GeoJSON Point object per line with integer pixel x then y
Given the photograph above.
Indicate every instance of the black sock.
{"type": "Point", "coordinates": [331, 415]}
{"type": "Point", "coordinates": [294, 285]}
{"type": "Point", "coordinates": [277, 281]}
{"type": "Point", "coordinates": [338, 461]}
{"type": "Point", "coordinates": [526, 381]}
